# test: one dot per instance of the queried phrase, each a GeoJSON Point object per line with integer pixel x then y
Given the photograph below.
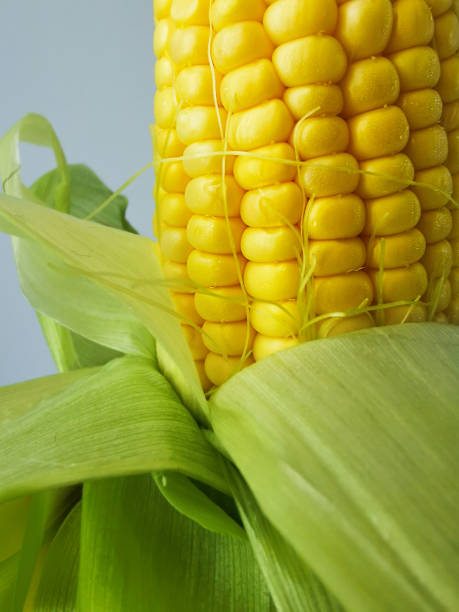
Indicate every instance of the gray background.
{"type": "Point", "coordinates": [88, 67]}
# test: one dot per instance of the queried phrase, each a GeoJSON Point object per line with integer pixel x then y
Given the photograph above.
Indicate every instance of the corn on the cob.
{"type": "Point", "coordinates": [314, 177]}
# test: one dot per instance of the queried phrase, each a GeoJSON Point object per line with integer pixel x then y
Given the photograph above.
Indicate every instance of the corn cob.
{"type": "Point", "coordinates": [334, 192]}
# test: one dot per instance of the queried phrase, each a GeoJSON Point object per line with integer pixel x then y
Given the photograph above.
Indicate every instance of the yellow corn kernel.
{"type": "Point", "coordinates": [184, 305]}
{"type": "Point", "coordinates": [222, 304]}
{"type": "Point", "coordinates": [206, 157]}
{"type": "Point", "coordinates": [364, 27]}
{"type": "Point", "coordinates": [452, 162]}
{"type": "Point", "coordinates": [211, 195]}
{"type": "Point", "coordinates": [385, 175]}
{"type": "Point", "coordinates": [413, 25]}
{"type": "Point", "coordinates": [174, 244]}
{"type": "Point", "coordinates": [438, 295]}
{"type": "Point", "coordinates": [239, 44]}
{"type": "Point", "coordinates": [190, 12]}
{"type": "Point", "coordinates": [332, 257]}
{"type": "Point", "coordinates": [436, 224]}
{"type": "Point", "coordinates": [448, 85]}
{"type": "Point", "coordinates": [401, 283]}
{"type": "Point", "coordinates": [313, 59]}
{"type": "Point", "coordinates": [219, 368]}
{"type": "Point", "coordinates": [369, 84]}
{"type": "Point", "coordinates": [438, 259]}
{"type": "Point", "coordinates": [230, 339]}
{"type": "Point", "coordinates": [330, 175]}
{"type": "Point", "coordinates": [274, 282]}
{"type": "Point", "coordinates": [319, 136]}
{"type": "Point", "coordinates": [174, 179]}
{"type": "Point", "coordinates": [166, 143]}
{"type": "Point", "coordinates": [266, 244]}
{"type": "Point", "coordinates": [194, 86]}
{"type": "Point", "coordinates": [438, 7]}
{"type": "Point", "coordinates": [206, 384]}
{"type": "Point", "coordinates": [175, 272]}
{"type": "Point", "coordinates": [162, 35]}
{"type": "Point", "coordinates": [278, 320]}
{"type": "Point", "coordinates": [454, 244]}
{"type": "Point", "coordinates": [226, 12]}
{"type": "Point", "coordinates": [314, 100]}
{"type": "Point", "coordinates": [418, 68]}
{"type": "Point", "coordinates": [173, 209]}
{"type": "Point", "coordinates": [377, 133]}
{"type": "Point", "coordinates": [214, 270]}
{"type": "Point", "coordinates": [260, 170]}
{"type": "Point", "coordinates": [446, 34]}
{"type": "Point", "coordinates": [452, 310]}
{"type": "Point", "coordinates": [405, 314]}
{"type": "Point", "coordinates": [450, 117]}
{"type": "Point", "coordinates": [428, 147]}
{"type": "Point", "coordinates": [164, 73]}
{"type": "Point", "coordinates": [335, 326]}
{"type": "Point", "coordinates": [194, 341]}
{"type": "Point", "coordinates": [397, 250]}
{"type": "Point", "coordinates": [340, 216]}
{"type": "Point", "coordinates": [165, 108]}
{"type": "Point", "coordinates": [440, 187]}
{"type": "Point", "coordinates": [264, 346]}
{"type": "Point", "coordinates": [290, 19]}
{"type": "Point", "coordinates": [212, 234]}
{"type": "Point", "coordinates": [188, 46]}
{"type": "Point", "coordinates": [392, 214]}
{"type": "Point", "coordinates": [272, 206]}
{"type": "Point", "coordinates": [196, 123]}
{"type": "Point", "coordinates": [260, 126]}
{"type": "Point", "coordinates": [250, 85]}
{"type": "Point", "coordinates": [454, 281]}
{"type": "Point", "coordinates": [161, 8]}
{"type": "Point", "coordinates": [422, 108]}
{"type": "Point", "coordinates": [341, 293]}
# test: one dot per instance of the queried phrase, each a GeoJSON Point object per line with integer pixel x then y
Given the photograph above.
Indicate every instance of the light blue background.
{"type": "Point", "coordinates": [88, 67]}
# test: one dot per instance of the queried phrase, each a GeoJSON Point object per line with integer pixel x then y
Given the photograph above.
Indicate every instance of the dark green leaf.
{"type": "Point", "coordinates": [188, 499]}
{"type": "Point", "coordinates": [57, 589]}
{"type": "Point", "coordinates": [87, 193]}
{"type": "Point", "coordinates": [143, 555]}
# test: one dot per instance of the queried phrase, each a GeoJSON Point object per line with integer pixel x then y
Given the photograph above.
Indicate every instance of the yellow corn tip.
{"type": "Point", "coordinates": [307, 169]}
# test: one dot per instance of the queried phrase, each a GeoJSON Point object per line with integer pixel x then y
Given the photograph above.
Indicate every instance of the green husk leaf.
{"type": "Point", "coordinates": [33, 129]}
{"type": "Point", "coordinates": [8, 573]}
{"type": "Point", "coordinates": [122, 419]}
{"type": "Point", "coordinates": [356, 463]}
{"type": "Point", "coordinates": [57, 590]}
{"type": "Point", "coordinates": [111, 269]}
{"type": "Point", "coordinates": [112, 266]}
{"type": "Point", "coordinates": [33, 540]}
{"type": "Point", "coordinates": [188, 499]}
{"type": "Point", "coordinates": [87, 193]}
{"type": "Point", "coordinates": [292, 584]}
{"type": "Point", "coordinates": [144, 555]}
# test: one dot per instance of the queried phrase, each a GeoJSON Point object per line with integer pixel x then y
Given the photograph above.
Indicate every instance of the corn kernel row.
{"type": "Point", "coordinates": [446, 43]}
{"type": "Point", "coordinates": [172, 214]}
